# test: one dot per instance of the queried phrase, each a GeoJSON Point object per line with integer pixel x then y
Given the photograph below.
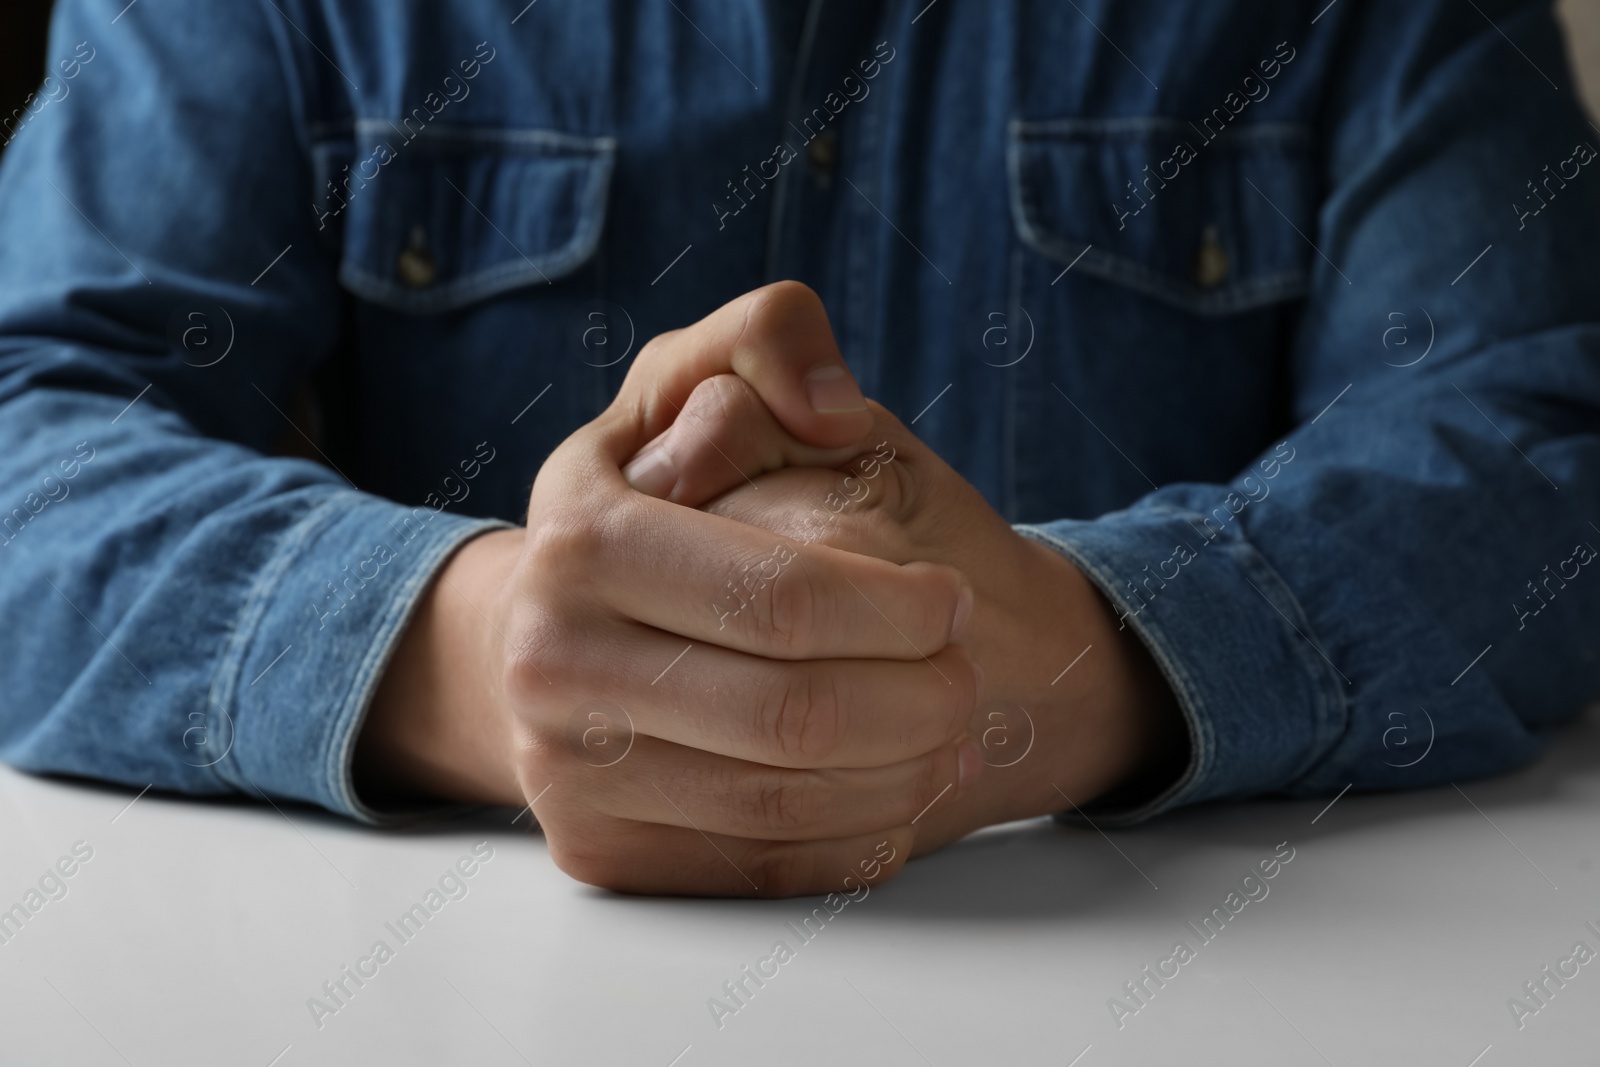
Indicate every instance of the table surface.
{"type": "Point", "coordinates": [199, 932]}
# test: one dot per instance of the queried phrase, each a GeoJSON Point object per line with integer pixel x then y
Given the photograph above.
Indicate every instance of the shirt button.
{"type": "Point", "coordinates": [1211, 265]}
{"type": "Point", "coordinates": [822, 155]}
{"type": "Point", "coordinates": [415, 266]}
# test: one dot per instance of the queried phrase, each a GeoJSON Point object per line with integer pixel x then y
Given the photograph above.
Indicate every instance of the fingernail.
{"type": "Point", "coordinates": [653, 473]}
{"type": "Point", "coordinates": [963, 612]}
{"type": "Point", "coordinates": [832, 391]}
{"type": "Point", "coordinates": [969, 765]}
{"type": "Point", "coordinates": [977, 679]}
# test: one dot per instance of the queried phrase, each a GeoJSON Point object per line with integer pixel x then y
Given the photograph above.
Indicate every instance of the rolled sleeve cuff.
{"type": "Point", "coordinates": [315, 637]}
{"type": "Point", "coordinates": [1260, 700]}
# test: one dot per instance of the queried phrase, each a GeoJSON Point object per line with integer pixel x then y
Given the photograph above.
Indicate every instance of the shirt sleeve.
{"type": "Point", "coordinates": [183, 610]}
{"type": "Point", "coordinates": [1402, 592]}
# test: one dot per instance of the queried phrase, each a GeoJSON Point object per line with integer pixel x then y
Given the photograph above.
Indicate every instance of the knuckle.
{"type": "Point", "coordinates": [776, 307]}
{"type": "Point", "coordinates": [937, 590]}
{"type": "Point", "coordinates": [657, 349]}
{"type": "Point", "coordinates": [540, 755]}
{"type": "Point", "coordinates": [791, 612]}
{"type": "Point", "coordinates": [566, 545]}
{"type": "Point", "coordinates": [725, 414]}
{"type": "Point", "coordinates": [900, 495]}
{"type": "Point", "coordinates": [538, 653]}
{"type": "Point", "coordinates": [728, 399]}
{"type": "Point", "coordinates": [876, 526]}
{"type": "Point", "coordinates": [574, 544]}
{"type": "Point", "coordinates": [782, 802]}
{"type": "Point", "coordinates": [801, 716]}
{"type": "Point", "coordinates": [767, 608]}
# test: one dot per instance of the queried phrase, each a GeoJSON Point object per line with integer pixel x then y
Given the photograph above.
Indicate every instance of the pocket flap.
{"type": "Point", "coordinates": [458, 214]}
{"type": "Point", "coordinates": [1214, 225]}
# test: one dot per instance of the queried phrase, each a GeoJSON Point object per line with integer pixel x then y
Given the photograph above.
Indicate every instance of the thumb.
{"type": "Point", "coordinates": [723, 436]}
{"type": "Point", "coordinates": [778, 340]}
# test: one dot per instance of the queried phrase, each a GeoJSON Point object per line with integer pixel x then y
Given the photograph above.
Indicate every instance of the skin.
{"type": "Point", "coordinates": [1050, 740]}
{"type": "Point", "coordinates": [842, 671]}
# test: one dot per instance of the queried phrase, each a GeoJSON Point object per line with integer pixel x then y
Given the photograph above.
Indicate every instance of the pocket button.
{"type": "Point", "coordinates": [822, 155]}
{"type": "Point", "coordinates": [415, 266]}
{"type": "Point", "coordinates": [1211, 264]}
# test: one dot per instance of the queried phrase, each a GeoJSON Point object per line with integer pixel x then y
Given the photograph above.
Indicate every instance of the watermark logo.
{"type": "Point", "coordinates": [203, 333]}
{"type": "Point", "coordinates": [211, 747]}
{"type": "Point", "coordinates": [1399, 740]}
{"type": "Point", "coordinates": [1004, 733]}
{"type": "Point", "coordinates": [1398, 335]}
{"type": "Point", "coordinates": [997, 339]}
{"type": "Point", "coordinates": [600, 733]}
{"type": "Point", "coordinates": [605, 333]}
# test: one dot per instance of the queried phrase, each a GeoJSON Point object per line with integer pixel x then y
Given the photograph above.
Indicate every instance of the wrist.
{"type": "Point", "coordinates": [1118, 728]}
{"type": "Point", "coordinates": [1157, 743]}
{"type": "Point", "coordinates": [436, 728]}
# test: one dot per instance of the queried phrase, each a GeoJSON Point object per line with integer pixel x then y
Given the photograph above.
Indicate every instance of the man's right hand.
{"type": "Point", "coordinates": [677, 726]}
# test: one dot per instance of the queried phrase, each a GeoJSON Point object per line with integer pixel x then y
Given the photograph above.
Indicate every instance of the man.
{"type": "Point", "coordinates": [1271, 324]}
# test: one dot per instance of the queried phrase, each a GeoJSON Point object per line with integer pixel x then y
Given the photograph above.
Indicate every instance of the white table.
{"type": "Point", "coordinates": [197, 931]}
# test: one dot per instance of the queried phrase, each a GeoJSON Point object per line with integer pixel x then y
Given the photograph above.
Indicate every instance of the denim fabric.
{"type": "Point", "coordinates": [1275, 318]}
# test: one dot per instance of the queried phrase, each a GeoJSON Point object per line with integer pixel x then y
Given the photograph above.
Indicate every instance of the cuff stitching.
{"type": "Point", "coordinates": [225, 683]}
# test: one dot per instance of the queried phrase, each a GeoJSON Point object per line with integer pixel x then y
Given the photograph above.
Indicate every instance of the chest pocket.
{"type": "Point", "coordinates": [1213, 226]}
{"type": "Point", "coordinates": [459, 214]}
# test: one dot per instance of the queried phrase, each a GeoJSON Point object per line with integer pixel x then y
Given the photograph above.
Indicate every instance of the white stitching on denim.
{"type": "Point", "coordinates": [351, 710]}
{"type": "Point", "coordinates": [578, 249]}
{"type": "Point", "coordinates": [225, 680]}
{"type": "Point", "coordinates": [1025, 211]}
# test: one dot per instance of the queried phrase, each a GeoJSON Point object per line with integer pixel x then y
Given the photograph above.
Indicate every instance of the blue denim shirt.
{"type": "Point", "coordinates": [1277, 319]}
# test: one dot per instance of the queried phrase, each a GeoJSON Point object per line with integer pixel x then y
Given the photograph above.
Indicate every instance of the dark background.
{"type": "Point", "coordinates": [22, 36]}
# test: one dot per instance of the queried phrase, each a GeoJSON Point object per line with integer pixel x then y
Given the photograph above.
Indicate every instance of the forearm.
{"type": "Point", "coordinates": [1319, 638]}
{"type": "Point", "coordinates": [237, 634]}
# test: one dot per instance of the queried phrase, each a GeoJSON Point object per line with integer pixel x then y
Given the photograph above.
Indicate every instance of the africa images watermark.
{"type": "Point", "coordinates": [754, 578]}
{"type": "Point", "coordinates": [1253, 889]}
{"type": "Point", "coordinates": [340, 990]}
{"type": "Point", "coordinates": [821, 117]}
{"type": "Point", "coordinates": [1183, 553]}
{"type": "Point", "coordinates": [1582, 155]}
{"type": "Point", "coordinates": [738, 989]}
{"type": "Point", "coordinates": [53, 489]}
{"type": "Point", "coordinates": [1538, 989]}
{"type": "Point", "coordinates": [1582, 555]}
{"type": "Point", "coordinates": [455, 89]}
{"type": "Point", "coordinates": [406, 530]}
{"type": "Point", "coordinates": [52, 887]}
{"type": "Point", "coordinates": [53, 91]}
{"type": "Point", "coordinates": [1233, 104]}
